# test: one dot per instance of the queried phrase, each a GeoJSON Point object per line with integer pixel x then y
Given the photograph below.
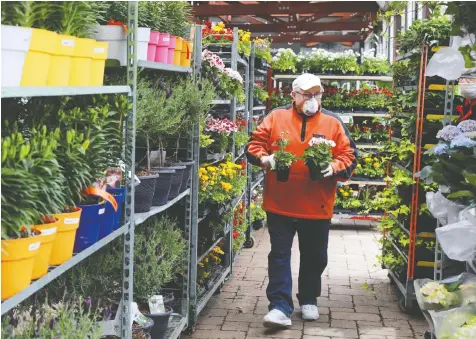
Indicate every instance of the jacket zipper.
{"type": "Point", "coordinates": [303, 129]}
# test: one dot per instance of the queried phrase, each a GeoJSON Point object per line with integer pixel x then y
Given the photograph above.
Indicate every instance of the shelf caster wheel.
{"type": "Point", "coordinates": [408, 310]}
{"type": "Point", "coordinates": [249, 243]}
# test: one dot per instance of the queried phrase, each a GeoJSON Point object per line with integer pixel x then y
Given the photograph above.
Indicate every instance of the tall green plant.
{"type": "Point", "coordinates": [32, 180]}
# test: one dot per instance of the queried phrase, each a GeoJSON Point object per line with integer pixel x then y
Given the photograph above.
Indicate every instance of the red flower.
{"type": "Point", "coordinates": [236, 234]}
{"type": "Point", "coordinates": [208, 24]}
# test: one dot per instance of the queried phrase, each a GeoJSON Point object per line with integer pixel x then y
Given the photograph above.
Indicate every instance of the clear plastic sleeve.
{"type": "Point", "coordinates": [448, 323]}
{"type": "Point", "coordinates": [446, 211]}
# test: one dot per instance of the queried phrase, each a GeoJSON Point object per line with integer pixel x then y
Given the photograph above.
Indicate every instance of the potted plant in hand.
{"type": "Point", "coordinates": [283, 159]}
{"type": "Point", "coordinates": [318, 156]}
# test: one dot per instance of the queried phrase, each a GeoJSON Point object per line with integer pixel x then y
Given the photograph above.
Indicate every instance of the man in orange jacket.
{"type": "Point", "coordinates": [299, 205]}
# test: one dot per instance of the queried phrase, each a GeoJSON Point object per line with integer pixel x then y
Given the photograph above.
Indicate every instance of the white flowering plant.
{"type": "Point", "coordinates": [284, 60]}
{"type": "Point", "coordinates": [318, 156]}
{"type": "Point", "coordinates": [374, 65]}
{"type": "Point", "coordinates": [228, 82]}
{"type": "Point", "coordinates": [436, 293]}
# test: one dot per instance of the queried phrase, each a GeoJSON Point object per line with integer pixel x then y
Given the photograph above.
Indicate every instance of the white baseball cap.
{"type": "Point", "coordinates": [306, 81]}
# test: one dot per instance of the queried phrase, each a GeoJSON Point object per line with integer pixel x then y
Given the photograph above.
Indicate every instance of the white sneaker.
{"type": "Point", "coordinates": [309, 312]}
{"type": "Point", "coordinates": [276, 318]}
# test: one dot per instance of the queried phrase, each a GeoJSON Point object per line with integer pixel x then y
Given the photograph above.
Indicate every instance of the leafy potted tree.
{"type": "Point", "coordinates": [318, 156]}
{"type": "Point", "coordinates": [283, 159]}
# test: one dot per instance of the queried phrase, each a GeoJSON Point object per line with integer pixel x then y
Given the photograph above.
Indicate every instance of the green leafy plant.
{"type": "Point", "coordinates": [241, 138]}
{"type": "Point", "coordinates": [279, 99]}
{"type": "Point", "coordinates": [66, 319]}
{"type": "Point", "coordinates": [284, 60]}
{"type": "Point", "coordinates": [375, 64]}
{"type": "Point", "coordinates": [260, 92]}
{"type": "Point", "coordinates": [283, 159]}
{"type": "Point", "coordinates": [32, 180]}
{"type": "Point", "coordinates": [263, 49]}
{"type": "Point", "coordinates": [433, 32]}
{"type": "Point", "coordinates": [371, 166]}
{"type": "Point", "coordinates": [172, 17]}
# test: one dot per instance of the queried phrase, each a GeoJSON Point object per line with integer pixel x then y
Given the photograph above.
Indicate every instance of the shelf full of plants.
{"type": "Point", "coordinates": [70, 148]}
{"type": "Point", "coordinates": [223, 167]}
{"type": "Point", "coordinates": [417, 108]}
{"type": "Point", "coordinates": [364, 110]}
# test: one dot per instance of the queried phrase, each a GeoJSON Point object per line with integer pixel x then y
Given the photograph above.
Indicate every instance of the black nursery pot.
{"type": "Point", "coordinates": [186, 174]}
{"type": "Point", "coordinates": [146, 329]}
{"type": "Point", "coordinates": [176, 181]}
{"type": "Point", "coordinates": [161, 323]}
{"type": "Point", "coordinates": [314, 171]}
{"type": "Point", "coordinates": [282, 175]}
{"type": "Point", "coordinates": [162, 187]}
{"type": "Point", "coordinates": [258, 224]}
{"type": "Point", "coordinates": [144, 193]}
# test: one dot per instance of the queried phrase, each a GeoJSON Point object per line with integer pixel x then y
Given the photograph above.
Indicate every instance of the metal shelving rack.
{"type": "Point", "coordinates": [198, 303]}
{"type": "Point", "coordinates": [176, 325]}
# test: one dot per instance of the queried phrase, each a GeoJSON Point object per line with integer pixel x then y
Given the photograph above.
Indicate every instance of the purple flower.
{"type": "Point", "coordinates": [438, 149]}
{"type": "Point", "coordinates": [462, 141]}
{"type": "Point", "coordinates": [448, 133]}
{"type": "Point", "coordinates": [52, 323]}
{"type": "Point", "coordinates": [87, 302]}
{"type": "Point", "coordinates": [467, 126]}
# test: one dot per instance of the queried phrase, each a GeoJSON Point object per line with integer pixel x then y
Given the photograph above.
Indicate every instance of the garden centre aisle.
{"type": "Point", "coordinates": [357, 300]}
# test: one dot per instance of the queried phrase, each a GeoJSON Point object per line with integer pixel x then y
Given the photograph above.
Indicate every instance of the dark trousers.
{"type": "Point", "coordinates": [313, 240]}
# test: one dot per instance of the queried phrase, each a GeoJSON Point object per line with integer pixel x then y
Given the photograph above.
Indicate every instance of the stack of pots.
{"type": "Point", "coordinates": [37, 57]}
{"type": "Point", "coordinates": [117, 39]}
{"type": "Point", "coordinates": [158, 47]}
{"type": "Point", "coordinates": [166, 184]}
{"type": "Point", "coordinates": [27, 259]}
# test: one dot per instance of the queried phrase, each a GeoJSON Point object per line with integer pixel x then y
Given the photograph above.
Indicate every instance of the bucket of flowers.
{"type": "Point", "coordinates": [283, 159]}
{"type": "Point", "coordinates": [220, 130]}
{"type": "Point", "coordinates": [318, 156]}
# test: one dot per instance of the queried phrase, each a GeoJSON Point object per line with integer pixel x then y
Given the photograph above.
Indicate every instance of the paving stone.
{"type": "Point", "coordinates": [206, 334]}
{"type": "Point", "coordinates": [367, 309]}
{"type": "Point", "coordinates": [332, 332]}
{"type": "Point", "coordinates": [355, 316]}
{"type": "Point", "coordinates": [282, 334]}
{"type": "Point", "coordinates": [343, 324]}
{"type": "Point", "coordinates": [235, 326]}
{"type": "Point", "coordinates": [211, 320]}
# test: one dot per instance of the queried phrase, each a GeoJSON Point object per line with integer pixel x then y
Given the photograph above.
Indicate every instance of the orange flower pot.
{"type": "Point", "coordinates": [63, 245]}
{"type": "Point", "coordinates": [18, 258]}
{"type": "Point", "coordinates": [47, 237]}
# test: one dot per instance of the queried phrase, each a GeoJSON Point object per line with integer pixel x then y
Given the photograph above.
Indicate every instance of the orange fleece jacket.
{"type": "Point", "coordinates": [300, 197]}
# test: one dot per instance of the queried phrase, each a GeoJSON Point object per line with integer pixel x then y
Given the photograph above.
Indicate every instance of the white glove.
{"type": "Point", "coordinates": [328, 171]}
{"type": "Point", "coordinates": [268, 161]}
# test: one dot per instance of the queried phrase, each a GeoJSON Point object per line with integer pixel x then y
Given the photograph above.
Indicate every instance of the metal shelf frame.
{"type": "Point", "coordinates": [176, 326]}
{"type": "Point", "coordinates": [339, 77]}
{"type": "Point", "coordinates": [198, 303]}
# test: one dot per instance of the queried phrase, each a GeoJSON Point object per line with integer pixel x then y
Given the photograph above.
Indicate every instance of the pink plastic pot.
{"type": "Point", "coordinates": [171, 48]}
{"type": "Point", "coordinates": [152, 47]}
{"type": "Point", "coordinates": [162, 50]}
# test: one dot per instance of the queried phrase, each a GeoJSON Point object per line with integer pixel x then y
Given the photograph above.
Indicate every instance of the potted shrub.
{"type": "Point", "coordinates": [318, 156]}
{"type": "Point", "coordinates": [31, 192]}
{"type": "Point", "coordinates": [283, 159]}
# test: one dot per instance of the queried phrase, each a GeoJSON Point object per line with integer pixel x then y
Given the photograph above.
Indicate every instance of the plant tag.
{"type": "Point", "coordinates": [34, 246]}
{"type": "Point", "coordinates": [138, 317]}
{"type": "Point", "coordinates": [345, 119]}
{"type": "Point", "coordinates": [68, 42]}
{"type": "Point", "coordinates": [99, 50]}
{"type": "Point", "coordinates": [166, 39]}
{"type": "Point", "coordinates": [71, 221]}
{"type": "Point", "coordinates": [101, 211]}
{"type": "Point", "coordinates": [49, 231]}
{"type": "Point", "coordinates": [156, 304]}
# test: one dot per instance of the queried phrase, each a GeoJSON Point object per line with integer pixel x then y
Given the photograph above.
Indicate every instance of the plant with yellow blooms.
{"type": "Point", "coordinates": [220, 184]}
{"type": "Point", "coordinates": [347, 198]}
{"type": "Point", "coordinates": [244, 42]}
{"type": "Point", "coordinates": [371, 166]}
{"type": "Point", "coordinates": [210, 264]}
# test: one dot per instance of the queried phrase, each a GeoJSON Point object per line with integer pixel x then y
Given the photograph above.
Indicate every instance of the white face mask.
{"type": "Point", "coordinates": [310, 107]}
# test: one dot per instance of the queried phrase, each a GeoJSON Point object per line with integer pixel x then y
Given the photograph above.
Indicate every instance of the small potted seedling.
{"type": "Point", "coordinates": [283, 159]}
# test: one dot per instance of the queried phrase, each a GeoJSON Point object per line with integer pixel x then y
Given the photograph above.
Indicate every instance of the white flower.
{"type": "Point", "coordinates": [317, 141]}
{"type": "Point", "coordinates": [430, 287]}
{"type": "Point", "coordinates": [467, 126]}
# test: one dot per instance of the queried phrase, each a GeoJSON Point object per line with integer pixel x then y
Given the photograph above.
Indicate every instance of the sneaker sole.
{"type": "Point", "coordinates": [309, 319]}
{"type": "Point", "coordinates": [270, 324]}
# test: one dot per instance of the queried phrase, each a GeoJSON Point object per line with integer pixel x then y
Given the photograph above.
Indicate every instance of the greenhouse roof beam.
{"type": "Point", "coordinates": [303, 27]}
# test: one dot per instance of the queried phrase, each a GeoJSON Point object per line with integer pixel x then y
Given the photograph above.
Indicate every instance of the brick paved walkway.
{"type": "Point", "coordinates": [348, 309]}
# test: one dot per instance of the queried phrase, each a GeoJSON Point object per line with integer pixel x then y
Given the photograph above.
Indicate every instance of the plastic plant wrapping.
{"type": "Point", "coordinates": [446, 211]}
{"type": "Point", "coordinates": [457, 323]}
{"type": "Point", "coordinates": [447, 63]}
{"type": "Point", "coordinates": [452, 292]}
{"type": "Point", "coordinates": [458, 239]}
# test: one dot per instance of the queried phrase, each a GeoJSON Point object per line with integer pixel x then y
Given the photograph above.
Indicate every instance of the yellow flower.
{"type": "Point", "coordinates": [253, 205]}
{"type": "Point", "coordinates": [205, 178]}
{"type": "Point", "coordinates": [368, 159]}
{"type": "Point", "coordinates": [359, 166]}
{"type": "Point", "coordinates": [376, 165]}
{"type": "Point", "coordinates": [341, 190]}
{"type": "Point", "coordinates": [201, 264]}
{"type": "Point", "coordinates": [346, 194]}
{"type": "Point", "coordinates": [206, 259]}
{"type": "Point", "coordinates": [206, 275]}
